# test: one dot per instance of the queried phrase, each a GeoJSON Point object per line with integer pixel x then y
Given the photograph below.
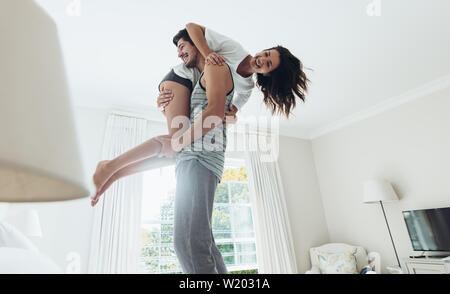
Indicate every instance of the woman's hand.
{"type": "Point", "coordinates": [216, 59]}
{"type": "Point", "coordinates": [164, 98]}
{"type": "Point", "coordinates": [230, 116]}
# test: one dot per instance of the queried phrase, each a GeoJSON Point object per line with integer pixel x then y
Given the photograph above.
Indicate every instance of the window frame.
{"type": "Point", "coordinates": [229, 163]}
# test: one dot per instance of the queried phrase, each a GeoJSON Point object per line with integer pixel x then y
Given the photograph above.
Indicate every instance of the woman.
{"type": "Point", "coordinates": [279, 76]}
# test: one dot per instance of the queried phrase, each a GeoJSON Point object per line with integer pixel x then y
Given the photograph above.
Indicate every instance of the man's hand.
{"type": "Point", "coordinates": [165, 96]}
{"type": "Point", "coordinates": [214, 58]}
{"type": "Point", "coordinates": [167, 149]}
{"type": "Point", "coordinates": [230, 116]}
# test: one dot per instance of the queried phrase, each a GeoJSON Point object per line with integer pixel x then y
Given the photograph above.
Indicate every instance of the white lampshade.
{"type": "Point", "coordinates": [378, 190]}
{"type": "Point", "coordinates": [27, 222]}
{"type": "Point", "coordinates": [39, 153]}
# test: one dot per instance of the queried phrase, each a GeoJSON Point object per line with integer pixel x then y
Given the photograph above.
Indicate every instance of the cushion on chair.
{"type": "Point", "coordinates": [359, 253]}
{"type": "Point", "coordinates": [337, 263]}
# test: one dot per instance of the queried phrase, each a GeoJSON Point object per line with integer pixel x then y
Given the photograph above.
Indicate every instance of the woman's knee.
{"type": "Point", "coordinates": [180, 102]}
{"type": "Point", "coordinates": [177, 111]}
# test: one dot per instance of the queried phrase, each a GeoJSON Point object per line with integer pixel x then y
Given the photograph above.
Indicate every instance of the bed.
{"type": "Point", "coordinates": [18, 255]}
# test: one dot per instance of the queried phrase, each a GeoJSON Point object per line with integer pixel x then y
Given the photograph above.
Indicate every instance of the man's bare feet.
{"type": "Point", "coordinates": [102, 173]}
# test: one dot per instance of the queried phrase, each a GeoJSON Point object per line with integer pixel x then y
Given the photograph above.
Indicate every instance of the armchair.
{"type": "Point", "coordinates": [362, 258]}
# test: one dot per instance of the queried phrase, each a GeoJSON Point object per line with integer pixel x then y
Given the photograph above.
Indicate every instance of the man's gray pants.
{"type": "Point", "coordinates": [193, 239]}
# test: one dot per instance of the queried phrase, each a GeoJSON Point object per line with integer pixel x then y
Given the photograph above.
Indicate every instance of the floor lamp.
{"type": "Point", "coordinates": [39, 154]}
{"type": "Point", "coordinates": [379, 191]}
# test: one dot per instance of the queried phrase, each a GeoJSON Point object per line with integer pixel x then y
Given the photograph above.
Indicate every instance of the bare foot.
{"type": "Point", "coordinates": [102, 173]}
{"type": "Point", "coordinates": [105, 187]}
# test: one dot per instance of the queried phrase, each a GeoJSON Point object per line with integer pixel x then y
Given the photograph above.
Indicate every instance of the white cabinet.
{"type": "Point", "coordinates": [427, 265]}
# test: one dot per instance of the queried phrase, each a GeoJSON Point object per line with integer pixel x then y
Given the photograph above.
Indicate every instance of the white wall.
{"type": "Point", "coordinates": [303, 199]}
{"type": "Point", "coordinates": [409, 146]}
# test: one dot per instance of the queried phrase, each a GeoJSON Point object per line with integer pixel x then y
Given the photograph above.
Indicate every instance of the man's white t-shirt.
{"type": "Point", "coordinates": [233, 53]}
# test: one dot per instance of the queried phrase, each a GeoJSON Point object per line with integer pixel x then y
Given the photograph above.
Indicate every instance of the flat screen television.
{"type": "Point", "coordinates": [429, 229]}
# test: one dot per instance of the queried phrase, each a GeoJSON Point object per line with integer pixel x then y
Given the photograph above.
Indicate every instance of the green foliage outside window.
{"type": "Point", "coordinates": [231, 221]}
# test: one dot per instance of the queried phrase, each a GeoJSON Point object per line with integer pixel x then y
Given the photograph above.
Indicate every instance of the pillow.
{"type": "Point", "coordinates": [22, 261]}
{"type": "Point", "coordinates": [11, 237]}
{"type": "Point", "coordinates": [337, 263]}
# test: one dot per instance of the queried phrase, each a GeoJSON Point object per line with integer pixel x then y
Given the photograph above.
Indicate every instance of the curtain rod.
{"type": "Point", "coordinates": [239, 128]}
{"type": "Point", "coordinates": [133, 114]}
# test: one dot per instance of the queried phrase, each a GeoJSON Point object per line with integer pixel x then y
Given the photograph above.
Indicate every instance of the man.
{"type": "Point", "coordinates": [199, 164]}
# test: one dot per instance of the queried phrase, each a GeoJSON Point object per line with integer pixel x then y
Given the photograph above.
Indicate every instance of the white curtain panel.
{"type": "Point", "coordinates": [115, 244]}
{"type": "Point", "coordinates": [275, 249]}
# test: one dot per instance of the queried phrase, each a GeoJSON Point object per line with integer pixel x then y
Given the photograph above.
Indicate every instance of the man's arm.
{"type": "Point", "coordinates": [218, 84]}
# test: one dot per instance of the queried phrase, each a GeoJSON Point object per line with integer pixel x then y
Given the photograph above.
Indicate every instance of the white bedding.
{"type": "Point", "coordinates": [11, 237]}
{"type": "Point", "coordinates": [23, 261]}
{"type": "Point", "coordinates": [18, 255]}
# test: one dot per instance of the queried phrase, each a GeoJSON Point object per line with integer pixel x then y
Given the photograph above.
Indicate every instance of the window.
{"type": "Point", "coordinates": [232, 221]}
{"type": "Point", "coordinates": [157, 252]}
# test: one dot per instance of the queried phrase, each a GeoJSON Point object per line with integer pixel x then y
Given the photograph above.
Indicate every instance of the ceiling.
{"type": "Point", "coordinates": [116, 52]}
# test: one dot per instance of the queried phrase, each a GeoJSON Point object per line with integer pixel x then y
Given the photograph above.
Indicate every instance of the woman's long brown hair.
{"type": "Point", "coordinates": [284, 83]}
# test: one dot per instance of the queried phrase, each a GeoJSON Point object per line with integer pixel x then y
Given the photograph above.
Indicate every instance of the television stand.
{"type": "Point", "coordinates": [429, 256]}
{"type": "Point", "coordinates": [428, 265]}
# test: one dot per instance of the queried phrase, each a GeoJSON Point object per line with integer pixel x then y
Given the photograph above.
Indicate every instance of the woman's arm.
{"type": "Point", "coordinates": [197, 34]}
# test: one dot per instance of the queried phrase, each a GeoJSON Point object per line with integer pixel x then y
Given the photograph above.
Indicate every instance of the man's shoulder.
{"type": "Point", "coordinates": [217, 74]}
{"type": "Point", "coordinates": [219, 77]}
{"type": "Point", "coordinates": [217, 70]}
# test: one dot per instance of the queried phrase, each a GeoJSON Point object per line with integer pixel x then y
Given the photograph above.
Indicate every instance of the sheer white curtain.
{"type": "Point", "coordinates": [115, 239]}
{"type": "Point", "coordinates": [275, 248]}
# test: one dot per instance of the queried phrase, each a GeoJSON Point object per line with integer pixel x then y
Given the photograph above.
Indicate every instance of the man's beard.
{"type": "Point", "coordinates": [192, 63]}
